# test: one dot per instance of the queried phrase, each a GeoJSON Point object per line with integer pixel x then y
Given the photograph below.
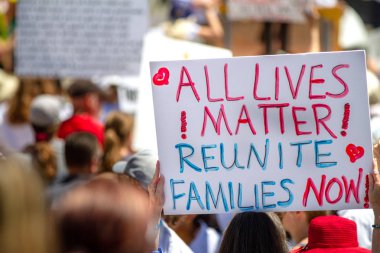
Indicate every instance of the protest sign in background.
{"type": "Point", "coordinates": [80, 38]}
{"type": "Point", "coordinates": [270, 133]}
{"type": "Point", "coordinates": [291, 11]}
{"type": "Point", "coordinates": [157, 47]}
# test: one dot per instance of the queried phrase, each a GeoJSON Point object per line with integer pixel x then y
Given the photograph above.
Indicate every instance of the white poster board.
{"type": "Point", "coordinates": [269, 133]}
{"type": "Point", "coordinates": [71, 38]}
{"type": "Point", "coordinates": [289, 11]}
{"type": "Point", "coordinates": [158, 46]}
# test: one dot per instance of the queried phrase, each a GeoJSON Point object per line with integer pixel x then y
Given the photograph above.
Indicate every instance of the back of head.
{"type": "Point", "coordinates": [44, 160]}
{"type": "Point", "coordinates": [118, 140]}
{"type": "Point", "coordinates": [81, 151]}
{"type": "Point", "coordinates": [24, 226]}
{"type": "Point", "coordinates": [333, 232]}
{"type": "Point", "coordinates": [18, 111]}
{"type": "Point", "coordinates": [44, 116]}
{"type": "Point", "coordinates": [140, 167]}
{"type": "Point", "coordinates": [102, 216]}
{"type": "Point", "coordinates": [254, 232]}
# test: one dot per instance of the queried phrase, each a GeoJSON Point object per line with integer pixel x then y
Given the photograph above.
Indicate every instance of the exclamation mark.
{"type": "Point", "coordinates": [183, 125]}
{"type": "Point", "coordinates": [366, 198]}
{"type": "Point", "coordinates": [346, 119]}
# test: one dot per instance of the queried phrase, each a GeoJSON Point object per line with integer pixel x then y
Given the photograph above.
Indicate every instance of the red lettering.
{"type": "Point", "coordinates": [352, 188]}
{"type": "Point", "coordinates": [245, 120]}
{"type": "Point", "coordinates": [277, 84]}
{"type": "Point", "coordinates": [216, 124]}
{"type": "Point", "coordinates": [298, 122]}
{"type": "Point", "coordinates": [281, 114]}
{"type": "Point", "coordinates": [340, 80]}
{"type": "Point", "coordinates": [302, 72]}
{"type": "Point", "coordinates": [318, 195]}
{"type": "Point", "coordinates": [321, 121]}
{"type": "Point", "coordinates": [256, 83]}
{"type": "Point", "coordinates": [208, 88]}
{"type": "Point", "coordinates": [226, 86]}
{"type": "Point", "coordinates": [315, 81]}
{"type": "Point", "coordinates": [328, 188]}
{"type": "Point", "coordinates": [189, 83]}
{"type": "Point", "coordinates": [348, 188]}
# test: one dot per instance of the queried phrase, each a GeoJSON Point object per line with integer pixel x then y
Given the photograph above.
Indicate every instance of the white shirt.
{"type": "Point", "coordinates": [364, 219]}
{"type": "Point", "coordinates": [170, 242]}
{"type": "Point", "coordinates": [15, 137]}
{"type": "Point", "coordinates": [207, 240]}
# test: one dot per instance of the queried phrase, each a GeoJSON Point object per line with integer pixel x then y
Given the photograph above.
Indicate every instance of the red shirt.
{"type": "Point", "coordinates": [81, 123]}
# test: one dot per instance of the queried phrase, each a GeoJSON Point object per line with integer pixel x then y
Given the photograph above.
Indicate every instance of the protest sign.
{"type": "Point", "coordinates": [269, 133]}
{"type": "Point", "coordinates": [158, 47]}
{"type": "Point", "coordinates": [291, 11]}
{"type": "Point", "coordinates": [70, 38]}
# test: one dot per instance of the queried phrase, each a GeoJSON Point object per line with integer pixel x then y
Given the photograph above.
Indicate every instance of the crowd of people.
{"type": "Point", "coordinates": [75, 184]}
{"type": "Point", "coordinates": [71, 180]}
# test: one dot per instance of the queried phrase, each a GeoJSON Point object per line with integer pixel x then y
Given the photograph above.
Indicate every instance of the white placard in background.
{"type": "Point", "coordinates": [269, 133]}
{"type": "Point", "coordinates": [157, 47]}
{"type": "Point", "coordinates": [289, 11]}
{"type": "Point", "coordinates": [70, 38]}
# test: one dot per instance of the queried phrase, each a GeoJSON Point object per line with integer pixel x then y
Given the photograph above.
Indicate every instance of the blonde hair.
{"type": "Point", "coordinates": [44, 160]}
{"type": "Point", "coordinates": [118, 131]}
{"type": "Point", "coordinates": [19, 105]}
{"type": "Point", "coordinates": [24, 223]}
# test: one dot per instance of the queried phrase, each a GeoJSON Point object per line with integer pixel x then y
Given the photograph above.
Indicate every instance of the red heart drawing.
{"type": "Point", "coordinates": [354, 152]}
{"type": "Point", "coordinates": [161, 77]}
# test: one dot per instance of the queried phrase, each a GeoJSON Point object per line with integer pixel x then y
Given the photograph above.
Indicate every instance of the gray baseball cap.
{"type": "Point", "coordinates": [44, 110]}
{"type": "Point", "coordinates": [140, 166]}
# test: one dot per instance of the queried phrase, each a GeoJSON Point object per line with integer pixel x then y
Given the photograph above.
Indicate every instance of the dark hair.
{"type": "Point", "coordinates": [102, 216]}
{"type": "Point", "coordinates": [81, 87]}
{"type": "Point", "coordinates": [254, 232]}
{"type": "Point", "coordinates": [80, 149]}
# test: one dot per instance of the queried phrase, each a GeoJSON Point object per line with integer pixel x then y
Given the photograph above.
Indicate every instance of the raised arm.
{"type": "Point", "coordinates": [374, 198]}
{"type": "Point", "coordinates": [156, 203]}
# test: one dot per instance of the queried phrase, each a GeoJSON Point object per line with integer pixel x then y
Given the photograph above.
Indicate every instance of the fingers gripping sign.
{"type": "Point", "coordinates": [156, 192]}
{"type": "Point", "coordinates": [156, 203]}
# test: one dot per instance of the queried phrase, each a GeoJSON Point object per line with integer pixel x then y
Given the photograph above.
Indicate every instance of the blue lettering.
{"type": "Point", "coordinates": [243, 208]}
{"type": "Point", "coordinates": [291, 197]}
{"type": "Point", "coordinates": [210, 193]}
{"type": "Point", "coordinates": [317, 154]}
{"type": "Point", "coordinates": [205, 158]}
{"type": "Point", "coordinates": [299, 155]}
{"type": "Point", "coordinates": [175, 196]}
{"type": "Point", "coordinates": [194, 195]}
{"type": "Point", "coordinates": [183, 159]}
{"type": "Point", "coordinates": [267, 194]}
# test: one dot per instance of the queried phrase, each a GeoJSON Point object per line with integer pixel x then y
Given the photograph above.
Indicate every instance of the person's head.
{"type": "Point", "coordinates": [103, 216]}
{"type": "Point", "coordinates": [254, 232]}
{"type": "Point", "coordinates": [82, 153]}
{"type": "Point", "coordinates": [332, 234]}
{"type": "Point", "coordinates": [118, 138]}
{"type": "Point", "coordinates": [140, 167]}
{"type": "Point", "coordinates": [44, 116]}
{"type": "Point", "coordinates": [18, 111]}
{"type": "Point", "coordinates": [28, 88]}
{"type": "Point", "coordinates": [297, 223]}
{"type": "Point", "coordinates": [24, 223]}
{"type": "Point", "coordinates": [44, 160]}
{"type": "Point", "coordinates": [85, 96]}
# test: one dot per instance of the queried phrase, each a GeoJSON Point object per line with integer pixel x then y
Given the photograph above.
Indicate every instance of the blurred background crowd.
{"type": "Point", "coordinates": [73, 180]}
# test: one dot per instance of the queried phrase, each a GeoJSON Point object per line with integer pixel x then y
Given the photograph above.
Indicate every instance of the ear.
{"type": "Point", "coordinates": [94, 167]}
